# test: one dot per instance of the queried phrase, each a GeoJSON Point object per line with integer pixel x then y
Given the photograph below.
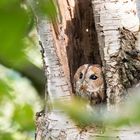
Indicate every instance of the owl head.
{"type": "Point", "coordinates": [88, 83]}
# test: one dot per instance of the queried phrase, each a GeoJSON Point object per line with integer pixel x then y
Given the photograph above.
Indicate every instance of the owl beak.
{"type": "Point", "coordinates": [83, 88]}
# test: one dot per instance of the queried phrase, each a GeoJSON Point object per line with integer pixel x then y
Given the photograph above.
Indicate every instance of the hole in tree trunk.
{"type": "Point", "coordinates": [83, 43]}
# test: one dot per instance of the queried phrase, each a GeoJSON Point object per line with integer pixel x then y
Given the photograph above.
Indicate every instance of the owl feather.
{"type": "Point", "coordinates": [89, 83]}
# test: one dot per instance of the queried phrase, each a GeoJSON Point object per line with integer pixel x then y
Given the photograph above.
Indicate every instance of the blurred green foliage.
{"type": "Point", "coordinates": [4, 90]}
{"type": "Point", "coordinates": [49, 8]}
{"type": "Point", "coordinates": [23, 116]}
{"type": "Point", "coordinates": [14, 25]}
{"type": "Point", "coordinates": [19, 100]}
{"type": "Point", "coordinates": [76, 109]}
{"type": "Point", "coordinates": [18, 104]}
{"type": "Point", "coordinates": [83, 115]}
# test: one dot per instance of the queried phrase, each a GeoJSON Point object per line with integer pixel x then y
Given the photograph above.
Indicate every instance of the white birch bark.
{"type": "Point", "coordinates": [109, 16]}
{"type": "Point", "coordinates": [54, 124]}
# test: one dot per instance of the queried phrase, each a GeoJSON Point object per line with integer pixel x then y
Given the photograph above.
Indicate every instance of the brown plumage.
{"type": "Point", "coordinates": [89, 83]}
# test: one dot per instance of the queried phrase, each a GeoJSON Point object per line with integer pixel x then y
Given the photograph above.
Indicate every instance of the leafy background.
{"type": "Point", "coordinates": [21, 75]}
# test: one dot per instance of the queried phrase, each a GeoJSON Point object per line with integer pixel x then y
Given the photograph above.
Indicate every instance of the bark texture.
{"type": "Point", "coordinates": [84, 31]}
{"type": "Point", "coordinates": [75, 33]}
{"type": "Point", "coordinates": [118, 36]}
{"type": "Point", "coordinates": [54, 124]}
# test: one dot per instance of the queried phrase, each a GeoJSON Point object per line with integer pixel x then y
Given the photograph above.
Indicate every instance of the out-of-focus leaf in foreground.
{"type": "Point", "coordinates": [77, 110]}
{"type": "Point", "coordinates": [23, 116]}
{"type": "Point", "coordinates": [6, 136]}
{"type": "Point", "coordinates": [4, 90]}
{"type": "Point", "coordinates": [48, 7]}
{"type": "Point", "coordinates": [18, 104]}
{"type": "Point", "coordinates": [15, 22]}
{"type": "Point", "coordinates": [5, 3]}
{"type": "Point", "coordinates": [128, 113]}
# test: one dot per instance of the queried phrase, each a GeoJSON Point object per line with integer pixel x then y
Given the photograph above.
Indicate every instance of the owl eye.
{"type": "Point", "coordinates": [81, 75]}
{"type": "Point", "coordinates": [93, 77]}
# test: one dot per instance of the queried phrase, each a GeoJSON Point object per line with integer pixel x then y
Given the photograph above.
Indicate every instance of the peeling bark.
{"type": "Point", "coordinates": [54, 124]}
{"type": "Point", "coordinates": [117, 39]}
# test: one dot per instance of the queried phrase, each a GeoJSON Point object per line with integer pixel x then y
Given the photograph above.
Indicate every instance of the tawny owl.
{"type": "Point", "coordinates": [89, 84]}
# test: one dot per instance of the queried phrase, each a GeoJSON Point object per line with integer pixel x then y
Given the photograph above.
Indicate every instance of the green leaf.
{"type": "Point", "coordinates": [5, 90]}
{"type": "Point", "coordinates": [15, 23]}
{"type": "Point", "coordinates": [6, 136]}
{"type": "Point", "coordinates": [7, 3]}
{"type": "Point", "coordinates": [79, 113]}
{"type": "Point", "coordinates": [48, 7]}
{"type": "Point", "coordinates": [23, 117]}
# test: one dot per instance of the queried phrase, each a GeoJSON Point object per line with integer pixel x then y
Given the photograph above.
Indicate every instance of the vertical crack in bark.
{"type": "Point", "coordinates": [82, 45]}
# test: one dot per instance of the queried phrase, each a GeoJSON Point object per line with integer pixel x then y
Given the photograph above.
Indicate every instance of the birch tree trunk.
{"type": "Point", "coordinates": [117, 23]}
{"type": "Point", "coordinates": [84, 31]}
